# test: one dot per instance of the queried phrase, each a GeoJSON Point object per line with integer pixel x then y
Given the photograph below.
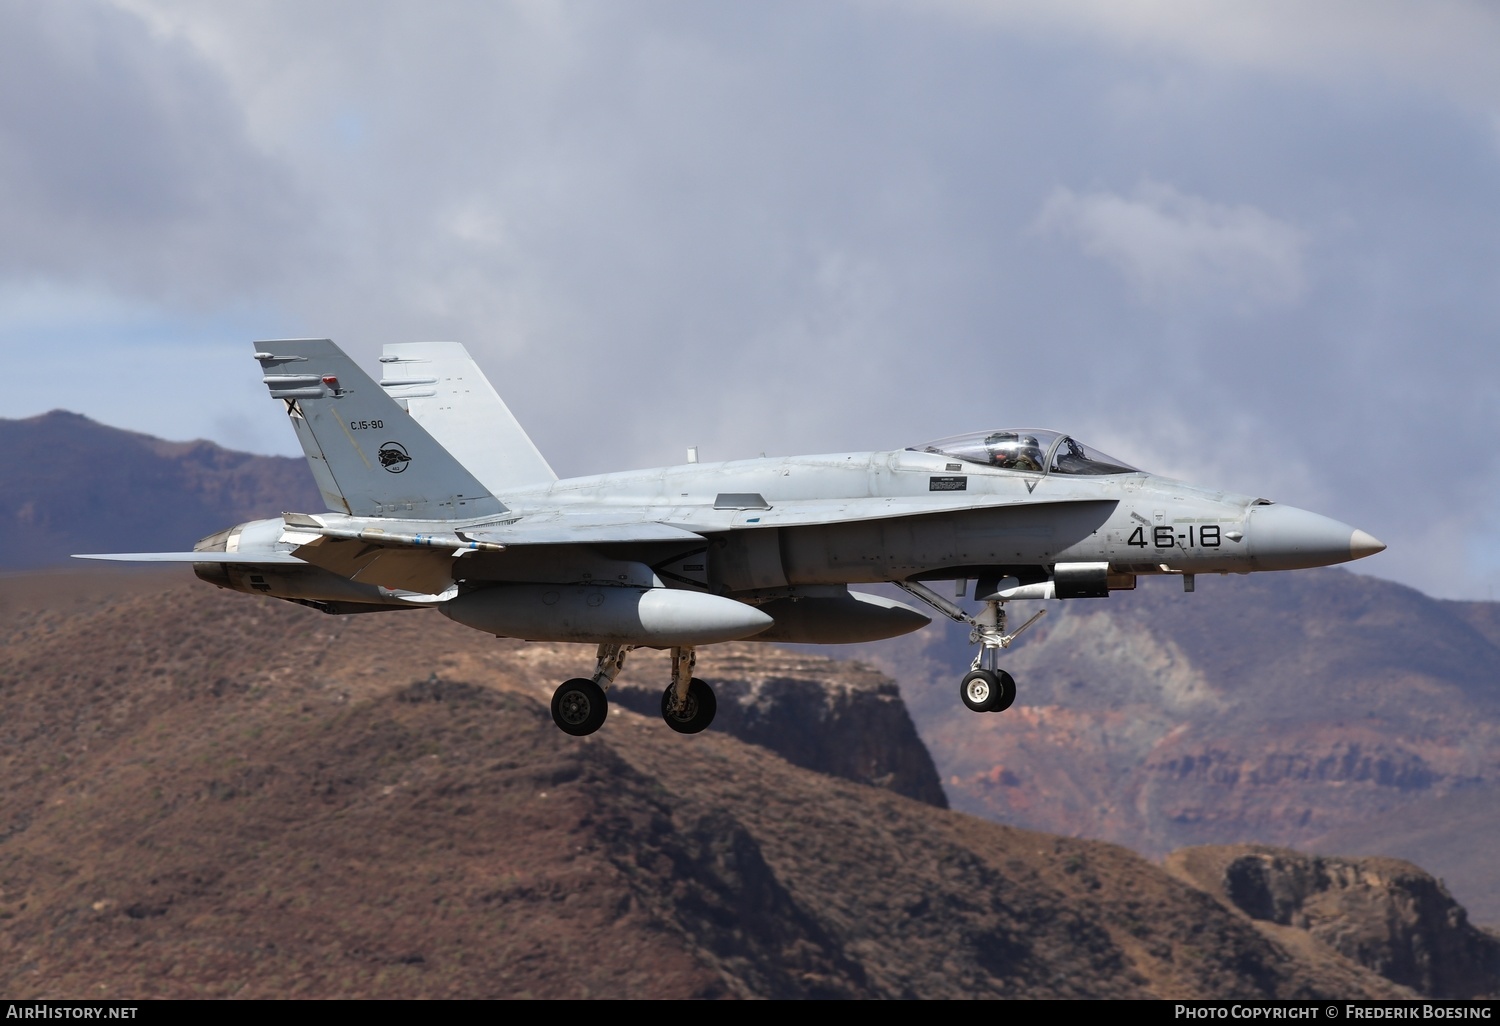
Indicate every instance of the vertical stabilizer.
{"type": "Point", "coordinates": [369, 456]}
{"type": "Point", "coordinates": [446, 392]}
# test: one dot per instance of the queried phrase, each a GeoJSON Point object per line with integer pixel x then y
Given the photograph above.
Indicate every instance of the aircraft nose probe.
{"type": "Point", "coordinates": [1288, 538]}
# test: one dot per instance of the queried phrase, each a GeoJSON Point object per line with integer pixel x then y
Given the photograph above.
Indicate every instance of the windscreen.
{"type": "Point", "coordinates": [1029, 450]}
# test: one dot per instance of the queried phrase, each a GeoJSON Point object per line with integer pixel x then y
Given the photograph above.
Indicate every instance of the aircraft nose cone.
{"type": "Point", "coordinates": [1288, 538]}
{"type": "Point", "coordinates": [1364, 544]}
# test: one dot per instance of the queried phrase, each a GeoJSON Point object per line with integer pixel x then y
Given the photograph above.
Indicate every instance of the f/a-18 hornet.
{"type": "Point", "coordinates": [437, 497]}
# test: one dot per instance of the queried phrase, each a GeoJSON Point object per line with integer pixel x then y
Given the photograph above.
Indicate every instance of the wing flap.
{"type": "Point", "coordinates": [566, 531]}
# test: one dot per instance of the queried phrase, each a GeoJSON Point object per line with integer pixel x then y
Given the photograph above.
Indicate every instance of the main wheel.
{"type": "Point", "coordinates": [988, 690]}
{"type": "Point", "coordinates": [697, 713]}
{"type": "Point", "coordinates": [579, 707]}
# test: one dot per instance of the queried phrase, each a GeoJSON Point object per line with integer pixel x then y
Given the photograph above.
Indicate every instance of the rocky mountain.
{"type": "Point", "coordinates": [213, 794]}
{"type": "Point", "coordinates": [73, 485]}
{"type": "Point", "coordinates": [1383, 913]}
{"type": "Point", "coordinates": [1318, 709]}
{"type": "Point", "coordinates": [850, 723]}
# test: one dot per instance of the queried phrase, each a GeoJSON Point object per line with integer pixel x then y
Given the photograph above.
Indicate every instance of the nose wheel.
{"type": "Point", "coordinates": [988, 690]}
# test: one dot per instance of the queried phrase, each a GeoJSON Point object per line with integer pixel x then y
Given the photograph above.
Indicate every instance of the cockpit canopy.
{"type": "Point", "coordinates": [1032, 450]}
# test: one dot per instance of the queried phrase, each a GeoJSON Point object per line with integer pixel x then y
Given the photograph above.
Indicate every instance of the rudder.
{"type": "Point", "coordinates": [444, 390]}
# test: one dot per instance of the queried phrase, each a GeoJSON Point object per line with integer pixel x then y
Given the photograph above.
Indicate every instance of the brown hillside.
{"type": "Point", "coordinates": [1307, 709]}
{"type": "Point", "coordinates": [208, 794]}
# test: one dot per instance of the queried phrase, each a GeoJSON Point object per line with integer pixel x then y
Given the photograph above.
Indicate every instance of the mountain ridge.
{"type": "Point", "coordinates": [214, 794]}
{"type": "Point", "coordinates": [76, 485]}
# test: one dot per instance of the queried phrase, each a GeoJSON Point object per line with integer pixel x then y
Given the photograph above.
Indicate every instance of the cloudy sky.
{"type": "Point", "coordinates": [1255, 246]}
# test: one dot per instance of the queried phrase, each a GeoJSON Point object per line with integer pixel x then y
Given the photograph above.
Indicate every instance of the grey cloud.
{"type": "Point", "coordinates": [123, 161]}
{"type": "Point", "coordinates": [794, 227]}
{"type": "Point", "coordinates": [1173, 247]}
{"type": "Point", "coordinates": [1447, 48]}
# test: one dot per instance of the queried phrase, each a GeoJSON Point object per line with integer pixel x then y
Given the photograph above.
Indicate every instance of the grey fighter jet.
{"type": "Point", "coordinates": [437, 498]}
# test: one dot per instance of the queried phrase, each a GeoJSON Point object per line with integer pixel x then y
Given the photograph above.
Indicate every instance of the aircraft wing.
{"type": "Point", "coordinates": [632, 525]}
{"type": "Point", "coordinates": [406, 555]}
{"type": "Point", "coordinates": [565, 530]}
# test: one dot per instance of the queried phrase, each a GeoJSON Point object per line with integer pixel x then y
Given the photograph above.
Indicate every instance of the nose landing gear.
{"type": "Point", "coordinates": [986, 687]}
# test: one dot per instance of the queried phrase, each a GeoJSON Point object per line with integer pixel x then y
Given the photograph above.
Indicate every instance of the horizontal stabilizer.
{"type": "Point", "coordinates": [248, 558]}
{"type": "Point", "coordinates": [398, 567]}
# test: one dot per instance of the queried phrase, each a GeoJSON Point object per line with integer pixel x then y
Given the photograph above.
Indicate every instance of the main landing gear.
{"type": "Point", "coordinates": [986, 687]}
{"type": "Point", "coordinates": [688, 705]}
{"type": "Point", "coordinates": [579, 706]}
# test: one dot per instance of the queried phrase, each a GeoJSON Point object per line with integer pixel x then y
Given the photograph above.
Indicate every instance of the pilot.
{"type": "Point", "coordinates": [1014, 451]}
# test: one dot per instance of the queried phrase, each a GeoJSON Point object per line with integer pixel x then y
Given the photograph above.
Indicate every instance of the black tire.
{"type": "Point", "coordinates": [579, 707]}
{"type": "Point", "coordinates": [978, 690]}
{"type": "Point", "coordinates": [1005, 692]}
{"type": "Point", "coordinates": [988, 690]}
{"type": "Point", "coordinates": [699, 711]}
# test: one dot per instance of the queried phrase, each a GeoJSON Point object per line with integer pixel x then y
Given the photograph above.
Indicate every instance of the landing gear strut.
{"type": "Point", "coordinates": [688, 705]}
{"type": "Point", "coordinates": [986, 687]}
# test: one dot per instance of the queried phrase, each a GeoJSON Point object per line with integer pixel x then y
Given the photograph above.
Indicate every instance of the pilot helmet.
{"type": "Point", "coordinates": [1014, 451]}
